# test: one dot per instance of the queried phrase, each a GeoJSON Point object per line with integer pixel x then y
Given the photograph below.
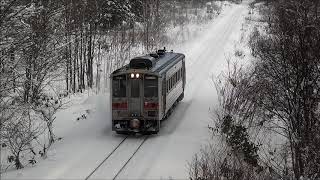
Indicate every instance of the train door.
{"type": "Point", "coordinates": [135, 97]}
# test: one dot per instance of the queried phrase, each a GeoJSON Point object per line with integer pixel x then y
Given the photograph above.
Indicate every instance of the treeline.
{"type": "Point", "coordinates": [269, 114]}
{"type": "Point", "coordinates": [75, 35]}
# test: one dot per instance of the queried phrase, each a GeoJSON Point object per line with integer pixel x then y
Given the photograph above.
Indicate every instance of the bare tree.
{"type": "Point", "coordinates": [19, 133]}
{"type": "Point", "coordinates": [47, 107]}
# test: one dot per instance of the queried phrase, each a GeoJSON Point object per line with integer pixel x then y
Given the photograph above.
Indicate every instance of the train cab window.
{"type": "Point", "coordinates": [150, 86]}
{"type": "Point", "coordinates": [135, 88]}
{"type": "Point", "coordinates": [119, 86]}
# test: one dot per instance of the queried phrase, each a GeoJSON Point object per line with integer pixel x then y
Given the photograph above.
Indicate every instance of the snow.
{"type": "Point", "coordinates": [86, 142]}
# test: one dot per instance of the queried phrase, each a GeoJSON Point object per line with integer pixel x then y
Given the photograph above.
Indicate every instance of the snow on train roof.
{"type": "Point", "coordinates": [161, 63]}
{"type": "Point", "coordinates": [165, 60]}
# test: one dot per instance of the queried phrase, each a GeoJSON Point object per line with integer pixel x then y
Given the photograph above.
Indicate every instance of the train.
{"type": "Point", "coordinates": [145, 91]}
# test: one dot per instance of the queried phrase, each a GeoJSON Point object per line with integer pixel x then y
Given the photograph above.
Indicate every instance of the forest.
{"type": "Point", "coordinates": [267, 119]}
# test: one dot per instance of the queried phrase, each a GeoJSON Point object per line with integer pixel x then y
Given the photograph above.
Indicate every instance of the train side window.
{"type": "Point", "coordinates": [172, 83]}
{"type": "Point", "coordinates": [119, 86]}
{"type": "Point", "coordinates": [177, 77]}
{"type": "Point", "coordinates": [173, 80]}
{"type": "Point", "coordinates": [181, 72]}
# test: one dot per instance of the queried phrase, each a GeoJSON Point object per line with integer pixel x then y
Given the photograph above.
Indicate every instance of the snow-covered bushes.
{"type": "Point", "coordinates": [47, 107]}
{"type": "Point", "coordinates": [18, 134]}
{"type": "Point", "coordinates": [239, 128]}
{"type": "Point", "coordinates": [218, 162]}
{"type": "Point", "coordinates": [24, 127]}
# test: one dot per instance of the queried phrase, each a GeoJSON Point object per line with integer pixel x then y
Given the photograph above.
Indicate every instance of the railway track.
{"type": "Point", "coordinates": [115, 162]}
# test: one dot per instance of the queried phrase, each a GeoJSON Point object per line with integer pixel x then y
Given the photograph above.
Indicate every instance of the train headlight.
{"type": "Point", "coordinates": [137, 75]}
{"type": "Point", "coordinates": [132, 75]}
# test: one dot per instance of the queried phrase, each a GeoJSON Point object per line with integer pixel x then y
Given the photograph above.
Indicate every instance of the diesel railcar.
{"type": "Point", "coordinates": [145, 91]}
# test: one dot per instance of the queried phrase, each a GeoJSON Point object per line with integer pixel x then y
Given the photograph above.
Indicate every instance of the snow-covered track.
{"type": "Point", "coordinates": [116, 161]}
{"type": "Point", "coordinates": [144, 140]}
{"type": "Point", "coordinates": [104, 160]}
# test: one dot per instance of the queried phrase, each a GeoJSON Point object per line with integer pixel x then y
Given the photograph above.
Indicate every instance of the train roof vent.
{"type": "Point", "coordinates": [154, 55]}
{"type": "Point", "coordinates": [143, 62]}
{"type": "Point", "coordinates": [161, 52]}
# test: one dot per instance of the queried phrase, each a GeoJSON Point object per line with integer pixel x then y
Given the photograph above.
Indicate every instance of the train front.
{"type": "Point", "coordinates": [135, 101]}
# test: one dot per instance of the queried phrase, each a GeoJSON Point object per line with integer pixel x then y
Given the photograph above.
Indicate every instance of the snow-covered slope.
{"type": "Point", "coordinates": [88, 141]}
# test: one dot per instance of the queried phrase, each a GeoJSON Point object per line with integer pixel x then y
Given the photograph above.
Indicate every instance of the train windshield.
{"type": "Point", "coordinates": [150, 86]}
{"type": "Point", "coordinates": [119, 86]}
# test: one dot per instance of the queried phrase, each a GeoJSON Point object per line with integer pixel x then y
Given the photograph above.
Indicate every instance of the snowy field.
{"type": "Point", "coordinates": [87, 141]}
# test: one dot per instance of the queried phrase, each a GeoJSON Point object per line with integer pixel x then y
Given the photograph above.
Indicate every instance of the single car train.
{"type": "Point", "coordinates": [145, 91]}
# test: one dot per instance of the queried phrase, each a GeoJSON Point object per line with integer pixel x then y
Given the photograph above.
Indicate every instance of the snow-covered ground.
{"type": "Point", "coordinates": [86, 142]}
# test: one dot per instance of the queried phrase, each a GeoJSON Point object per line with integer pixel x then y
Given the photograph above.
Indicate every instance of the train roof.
{"type": "Point", "coordinates": [166, 60]}
{"type": "Point", "coordinates": [154, 63]}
